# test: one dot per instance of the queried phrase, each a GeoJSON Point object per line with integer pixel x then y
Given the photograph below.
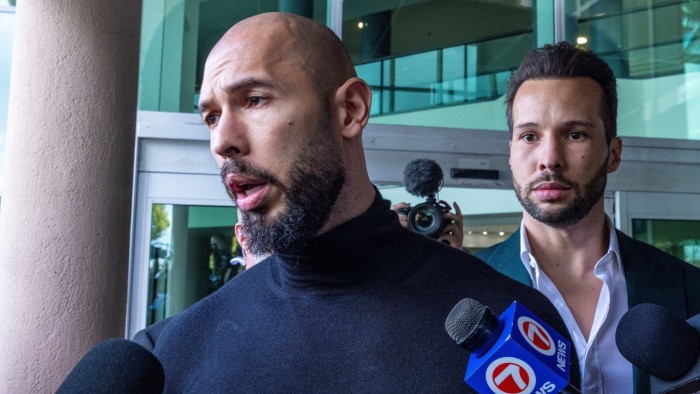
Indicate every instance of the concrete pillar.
{"type": "Point", "coordinates": [65, 218]}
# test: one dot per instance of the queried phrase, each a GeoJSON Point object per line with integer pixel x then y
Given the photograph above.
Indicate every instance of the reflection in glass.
{"type": "Point", "coordinates": [191, 250]}
{"type": "Point", "coordinates": [680, 238]}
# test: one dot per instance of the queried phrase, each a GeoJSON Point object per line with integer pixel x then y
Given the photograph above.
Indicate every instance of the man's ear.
{"type": "Point", "coordinates": [353, 101]}
{"type": "Point", "coordinates": [510, 148]}
{"type": "Point", "coordinates": [615, 154]}
{"type": "Point", "coordinates": [240, 237]}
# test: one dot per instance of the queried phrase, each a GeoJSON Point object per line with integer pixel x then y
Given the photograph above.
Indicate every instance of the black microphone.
{"type": "Point", "coordinates": [663, 345]}
{"type": "Point", "coordinates": [115, 366]}
{"type": "Point", "coordinates": [514, 353]}
{"type": "Point", "coordinates": [422, 177]}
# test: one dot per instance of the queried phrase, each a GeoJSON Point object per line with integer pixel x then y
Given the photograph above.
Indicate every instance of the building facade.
{"type": "Point", "coordinates": [438, 70]}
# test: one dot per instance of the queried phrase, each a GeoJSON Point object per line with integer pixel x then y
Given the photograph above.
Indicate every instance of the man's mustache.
{"type": "Point", "coordinates": [551, 177]}
{"type": "Point", "coordinates": [240, 167]}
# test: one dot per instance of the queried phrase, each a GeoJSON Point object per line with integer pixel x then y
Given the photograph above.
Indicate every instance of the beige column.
{"type": "Point", "coordinates": [65, 217]}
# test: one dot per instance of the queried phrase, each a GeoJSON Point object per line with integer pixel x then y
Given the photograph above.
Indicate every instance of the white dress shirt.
{"type": "Point", "coordinates": [603, 368]}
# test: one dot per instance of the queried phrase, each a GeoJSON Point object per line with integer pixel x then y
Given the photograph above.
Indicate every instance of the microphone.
{"type": "Point", "coordinates": [115, 366]}
{"type": "Point", "coordinates": [422, 177]}
{"type": "Point", "coordinates": [513, 353]}
{"type": "Point", "coordinates": [663, 345]}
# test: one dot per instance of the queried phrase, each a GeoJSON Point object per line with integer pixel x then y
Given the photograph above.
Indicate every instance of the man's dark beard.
{"type": "Point", "coordinates": [317, 177]}
{"type": "Point", "coordinates": [582, 204]}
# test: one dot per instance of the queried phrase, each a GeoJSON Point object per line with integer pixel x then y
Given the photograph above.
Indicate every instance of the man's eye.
{"type": "Point", "coordinates": [528, 137]}
{"type": "Point", "coordinates": [255, 101]}
{"type": "Point", "coordinates": [576, 135]}
{"type": "Point", "coordinates": [211, 119]}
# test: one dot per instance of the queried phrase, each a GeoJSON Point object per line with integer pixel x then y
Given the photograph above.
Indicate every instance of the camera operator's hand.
{"type": "Point", "coordinates": [453, 232]}
{"type": "Point", "coordinates": [402, 209]}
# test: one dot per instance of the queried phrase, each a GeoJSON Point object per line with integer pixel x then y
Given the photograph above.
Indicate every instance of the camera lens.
{"type": "Point", "coordinates": [425, 219]}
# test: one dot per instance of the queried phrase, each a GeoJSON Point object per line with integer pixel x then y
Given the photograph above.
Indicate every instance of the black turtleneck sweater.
{"type": "Point", "coordinates": [361, 310]}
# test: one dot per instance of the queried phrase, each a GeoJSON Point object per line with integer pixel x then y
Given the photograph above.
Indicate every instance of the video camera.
{"type": "Point", "coordinates": [423, 177]}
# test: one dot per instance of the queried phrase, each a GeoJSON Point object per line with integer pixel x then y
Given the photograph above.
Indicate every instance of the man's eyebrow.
{"type": "Point", "coordinates": [568, 123]}
{"type": "Point", "coordinates": [584, 123]}
{"type": "Point", "coordinates": [203, 106]}
{"type": "Point", "coordinates": [525, 125]}
{"type": "Point", "coordinates": [230, 88]}
{"type": "Point", "coordinates": [248, 83]}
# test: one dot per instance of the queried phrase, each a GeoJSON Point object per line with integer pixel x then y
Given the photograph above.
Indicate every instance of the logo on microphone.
{"type": "Point", "coordinates": [536, 335]}
{"type": "Point", "coordinates": [509, 375]}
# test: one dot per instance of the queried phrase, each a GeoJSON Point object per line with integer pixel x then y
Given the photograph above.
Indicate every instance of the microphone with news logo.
{"type": "Point", "coordinates": [115, 366]}
{"type": "Point", "coordinates": [663, 345]}
{"type": "Point", "coordinates": [516, 353]}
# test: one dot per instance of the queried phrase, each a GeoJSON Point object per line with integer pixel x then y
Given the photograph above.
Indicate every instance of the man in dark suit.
{"type": "Point", "coordinates": [561, 107]}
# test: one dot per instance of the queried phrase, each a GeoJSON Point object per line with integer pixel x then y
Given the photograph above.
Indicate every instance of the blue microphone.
{"type": "Point", "coordinates": [516, 353]}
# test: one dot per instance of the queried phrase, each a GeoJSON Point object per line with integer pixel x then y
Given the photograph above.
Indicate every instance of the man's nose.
{"type": "Point", "coordinates": [550, 155]}
{"type": "Point", "coordinates": [229, 137]}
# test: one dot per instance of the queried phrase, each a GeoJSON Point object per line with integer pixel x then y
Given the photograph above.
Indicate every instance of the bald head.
{"type": "Point", "coordinates": [308, 45]}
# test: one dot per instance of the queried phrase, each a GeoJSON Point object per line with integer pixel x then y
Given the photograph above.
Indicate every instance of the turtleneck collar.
{"type": "Point", "coordinates": [350, 255]}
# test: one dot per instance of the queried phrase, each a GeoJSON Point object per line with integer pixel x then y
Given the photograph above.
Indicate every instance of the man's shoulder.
{"type": "Point", "coordinates": [148, 337]}
{"type": "Point", "coordinates": [507, 249]}
{"type": "Point", "coordinates": [657, 277]}
{"type": "Point", "coordinates": [643, 253]}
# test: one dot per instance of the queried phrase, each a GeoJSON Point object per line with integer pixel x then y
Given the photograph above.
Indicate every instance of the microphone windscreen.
{"type": "Point", "coordinates": [464, 319]}
{"type": "Point", "coordinates": [657, 341]}
{"type": "Point", "coordinates": [422, 177]}
{"type": "Point", "coordinates": [115, 366]}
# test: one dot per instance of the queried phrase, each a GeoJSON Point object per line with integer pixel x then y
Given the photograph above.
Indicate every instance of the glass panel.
{"type": "Point", "coordinates": [436, 52]}
{"type": "Point", "coordinates": [7, 28]}
{"type": "Point", "coordinates": [653, 48]}
{"type": "Point", "coordinates": [414, 78]}
{"type": "Point", "coordinates": [680, 238]}
{"type": "Point", "coordinates": [372, 74]}
{"type": "Point", "coordinates": [191, 249]}
{"type": "Point", "coordinates": [454, 85]}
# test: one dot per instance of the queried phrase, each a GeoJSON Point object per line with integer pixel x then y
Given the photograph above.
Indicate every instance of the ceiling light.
{"type": "Point", "coordinates": [581, 40]}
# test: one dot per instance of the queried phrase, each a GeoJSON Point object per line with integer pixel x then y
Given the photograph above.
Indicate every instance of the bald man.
{"type": "Point", "coordinates": [349, 301]}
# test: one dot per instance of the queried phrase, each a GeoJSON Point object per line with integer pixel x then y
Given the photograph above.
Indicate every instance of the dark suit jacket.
{"type": "Point", "coordinates": [652, 276]}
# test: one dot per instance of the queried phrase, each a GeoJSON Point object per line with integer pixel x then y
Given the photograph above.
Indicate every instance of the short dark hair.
{"type": "Point", "coordinates": [563, 60]}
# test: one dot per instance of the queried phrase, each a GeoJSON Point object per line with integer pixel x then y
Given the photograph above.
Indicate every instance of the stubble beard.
{"type": "Point", "coordinates": [584, 200]}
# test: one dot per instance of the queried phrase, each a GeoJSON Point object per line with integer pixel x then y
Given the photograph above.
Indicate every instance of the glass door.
{"type": "Point", "coordinates": [183, 244]}
{"type": "Point", "coordinates": [668, 221]}
{"type": "Point", "coordinates": [190, 256]}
